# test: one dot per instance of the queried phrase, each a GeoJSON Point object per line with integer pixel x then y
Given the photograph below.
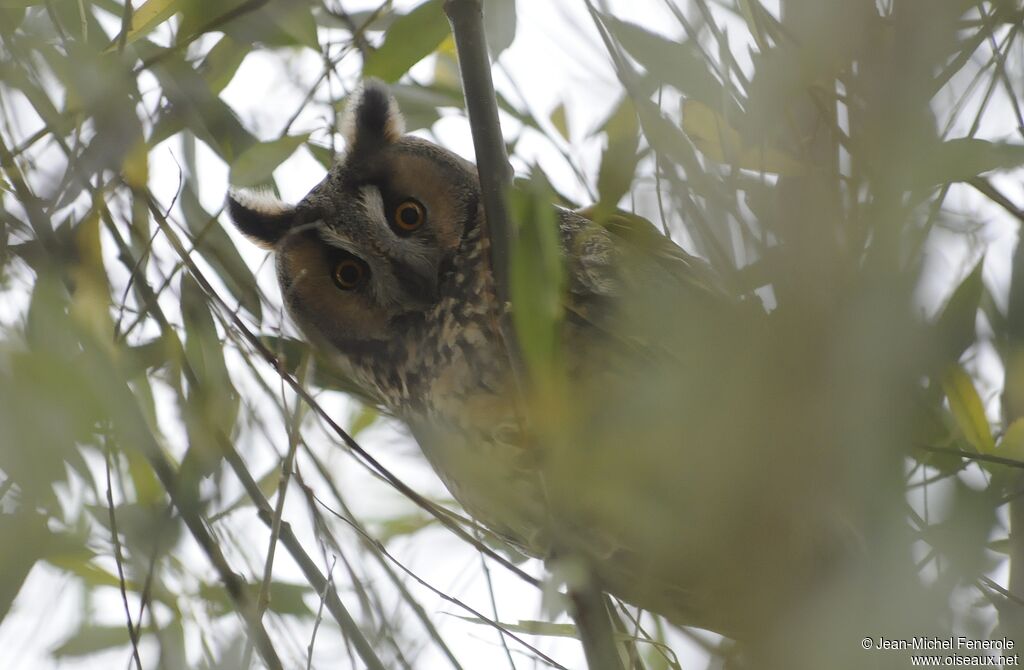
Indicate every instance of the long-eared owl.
{"type": "Point", "coordinates": [385, 265]}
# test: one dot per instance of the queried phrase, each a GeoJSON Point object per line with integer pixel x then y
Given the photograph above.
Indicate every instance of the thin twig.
{"type": "Point", "coordinates": [466, 18]}
{"type": "Point", "coordinates": [455, 601]}
{"type": "Point", "coordinates": [494, 610]}
{"type": "Point", "coordinates": [133, 632]}
{"type": "Point", "coordinates": [319, 615]}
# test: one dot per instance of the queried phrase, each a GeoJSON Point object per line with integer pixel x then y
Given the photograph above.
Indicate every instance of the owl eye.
{"type": "Point", "coordinates": [409, 216]}
{"type": "Point", "coordinates": [349, 274]}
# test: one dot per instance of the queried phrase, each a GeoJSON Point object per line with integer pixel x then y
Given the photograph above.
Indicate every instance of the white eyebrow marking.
{"type": "Point", "coordinates": [373, 203]}
{"type": "Point", "coordinates": [415, 253]}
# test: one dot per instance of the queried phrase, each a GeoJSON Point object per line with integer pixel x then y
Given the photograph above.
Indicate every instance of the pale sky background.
{"type": "Point", "coordinates": [556, 58]}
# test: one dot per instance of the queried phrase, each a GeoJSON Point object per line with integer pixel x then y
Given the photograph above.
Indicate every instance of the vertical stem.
{"type": "Point", "coordinates": [466, 18]}
{"type": "Point", "coordinates": [595, 629]}
{"type": "Point", "coordinates": [1013, 409]}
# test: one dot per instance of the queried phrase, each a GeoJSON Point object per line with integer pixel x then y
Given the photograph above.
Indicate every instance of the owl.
{"type": "Point", "coordinates": [385, 266]}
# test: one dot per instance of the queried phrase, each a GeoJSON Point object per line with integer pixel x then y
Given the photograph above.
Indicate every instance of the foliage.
{"type": "Point", "coordinates": [155, 406]}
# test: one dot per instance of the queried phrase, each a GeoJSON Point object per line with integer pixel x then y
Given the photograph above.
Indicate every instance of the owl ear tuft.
{"type": "Point", "coordinates": [260, 215]}
{"type": "Point", "coordinates": [372, 118]}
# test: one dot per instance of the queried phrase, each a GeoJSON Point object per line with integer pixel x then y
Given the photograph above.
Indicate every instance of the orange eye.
{"type": "Point", "coordinates": [409, 216]}
{"type": "Point", "coordinates": [349, 274]}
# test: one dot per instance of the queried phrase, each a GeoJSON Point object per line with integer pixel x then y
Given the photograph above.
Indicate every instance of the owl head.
{"type": "Point", "coordinates": [369, 247]}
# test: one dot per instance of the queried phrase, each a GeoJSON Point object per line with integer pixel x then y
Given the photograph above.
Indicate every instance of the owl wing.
{"type": "Point", "coordinates": [628, 283]}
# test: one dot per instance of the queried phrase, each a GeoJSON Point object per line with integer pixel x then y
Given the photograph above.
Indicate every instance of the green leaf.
{"type": "Point", "coordinates": [969, 413]}
{"type": "Point", "coordinates": [278, 23]}
{"type": "Point", "coordinates": [148, 16]}
{"type": "Point", "coordinates": [267, 484]}
{"type": "Point", "coordinates": [80, 564]}
{"type": "Point", "coordinates": [620, 157]}
{"type": "Point", "coordinates": [362, 419]}
{"type": "Point", "coordinates": [410, 39]}
{"type": "Point", "coordinates": [677, 63]}
{"type": "Point", "coordinates": [1012, 444]}
{"type": "Point", "coordinates": [560, 121]}
{"type": "Point", "coordinates": [419, 104]}
{"type": "Point", "coordinates": [722, 143]}
{"type": "Point", "coordinates": [10, 20]}
{"type": "Point", "coordinates": [499, 25]}
{"type": "Point", "coordinates": [537, 283]}
{"type": "Point", "coordinates": [221, 63]}
{"type": "Point", "coordinates": [528, 627]}
{"type": "Point", "coordinates": [211, 406]}
{"type": "Point", "coordinates": [966, 158]}
{"type": "Point", "coordinates": [212, 241]}
{"type": "Point", "coordinates": [33, 539]}
{"type": "Point", "coordinates": [400, 526]}
{"type": "Point", "coordinates": [956, 324]}
{"type": "Point", "coordinates": [285, 598]}
{"type": "Point", "coordinates": [91, 639]}
{"type": "Point", "coordinates": [195, 105]}
{"type": "Point", "coordinates": [256, 164]}
{"type": "Point", "coordinates": [321, 154]}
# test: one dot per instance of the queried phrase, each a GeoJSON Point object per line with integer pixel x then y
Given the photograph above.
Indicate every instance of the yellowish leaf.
{"type": "Point", "coordinates": [90, 304]}
{"type": "Point", "coordinates": [146, 17]}
{"type": "Point", "coordinates": [560, 121]}
{"type": "Point", "coordinates": [135, 166]}
{"type": "Point", "coordinates": [965, 403]}
{"type": "Point", "coordinates": [721, 143]}
{"type": "Point", "coordinates": [1012, 444]}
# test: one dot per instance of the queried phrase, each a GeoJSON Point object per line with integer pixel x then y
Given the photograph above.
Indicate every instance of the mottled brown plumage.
{"type": "Point", "coordinates": [385, 264]}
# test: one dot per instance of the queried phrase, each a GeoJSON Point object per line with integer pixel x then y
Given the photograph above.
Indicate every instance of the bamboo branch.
{"type": "Point", "coordinates": [1013, 409]}
{"type": "Point", "coordinates": [595, 628]}
{"type": "Point", "coordinates": [466, 18]}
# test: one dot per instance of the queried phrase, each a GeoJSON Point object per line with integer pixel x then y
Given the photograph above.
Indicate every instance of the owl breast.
{"type": "Point", "coordinates": [450, 380]}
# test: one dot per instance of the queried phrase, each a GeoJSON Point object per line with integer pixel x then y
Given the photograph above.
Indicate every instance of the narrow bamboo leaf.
{"type": "Point", "coordinates": [956, 324]}
{"type": "Point", "coordinates": [409, 40]}
{"type": "Point", "coordinates": [221, 63]}
{"type": "Point", "coordinates": [211, 406]}
{"type": "Point", "coordinates": [80, 564]}
{"type": "Point", "coordinates": [528, 627]}
{"type": "Point", "coordinates": [965, 158]}
{"type": "Point", "coordinates": [620, 157]}
{"type": "Point", "coordinates": [321, 154]}
{"type": "Point", "coordinates": [420, 104]}
{"type": "Point", "coordinates": [969, 413]}
{"type": "Point", "coordinates": [285, 598]}
{"type": "Point", "coordinates": [256, 164]}
{"type": "Point", "coordinates": [677, 63]}
{"type": "Point", "coordinates": [91, 639]}
{"type": "Point", "coordinates": [537, 279]}
{"type": "Point", "coordinates": [446, 65]}
{"type": "Point", "coordinates": [33, 538]}
{"type": "Point", "coordinates": [195, 105]}
{"type": "Point", "coordinates": [362, 419]}
{"type": "Point", "coordinates": [10, 20]}
{"type": "Point", "coordinates": [268, 485]}
{"type": "Point", "coordinates": [1012, 444]}
{"type": "Point", "coordinates": [499, 25]}
{"type": "Point", "coordinates": [721, 143]}
{"type": "Point", "coordinates": [560, 121]}
{"type": "Point", "coordinates": [277, 23]}
{"type": "Point", "coordinates": [148, 16]}
{"type": "Point", "coordinates": [402, 526]}
{"type": "Point", "coordinates": [219, 251]}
